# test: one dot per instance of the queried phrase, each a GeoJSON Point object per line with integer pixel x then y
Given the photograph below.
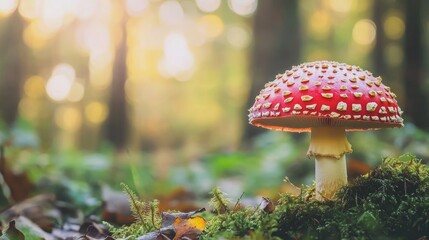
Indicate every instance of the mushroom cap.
{"type": "Point", "coordinates": [325, 93]}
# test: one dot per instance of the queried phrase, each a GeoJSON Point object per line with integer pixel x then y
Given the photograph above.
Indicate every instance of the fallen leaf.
{"type": "Point", "coordinates": [169, 218]}
{"type": "Point", "coordinates": [189, 228]}
{"type": "Point", "coordinates": [12, 233]}
{"type": "Point", "coordinates": [178, 226]}
{"type": "Point", "coordinates": [267, 205]}
{"type": "Point", "coordinates": [116, 207]}
{"type": "Point", "coordinates": [40, 209]}
{"type": "Point", "coordinates": [94, 230]}
{"type": "Point", "coordinates": [166, 233]}
{"type": "Point", "coordinates": [23, 222]}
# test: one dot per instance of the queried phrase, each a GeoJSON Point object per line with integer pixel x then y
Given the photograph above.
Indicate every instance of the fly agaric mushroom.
{"type": "Point", "coordinates": [326, 99]}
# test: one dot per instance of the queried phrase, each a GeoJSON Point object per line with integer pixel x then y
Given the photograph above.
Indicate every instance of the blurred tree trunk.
{"type": "Point", "coordinates": [12, 71]}
{"type": "Point", "coordinates": [277, 43]}
{"type": "Point", "coordinates": [117, 121]}
{"type": "Point", "coordinates": [380, 39]}
{"type": "Point", "coordinates": [416, 96]}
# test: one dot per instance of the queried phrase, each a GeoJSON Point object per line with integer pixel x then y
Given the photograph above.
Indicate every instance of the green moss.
{"type": "Point", "coordinates": [391, 202]}
{"type": "Point", "coordinates": [146, 214]}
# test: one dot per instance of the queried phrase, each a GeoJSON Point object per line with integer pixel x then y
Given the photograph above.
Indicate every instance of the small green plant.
{"type": "Point", "coordinates": [235, 222]}
{"type": "Point", "coordinates": [219, 201]}
{"type": "Point", "coordinates": [146, 215]}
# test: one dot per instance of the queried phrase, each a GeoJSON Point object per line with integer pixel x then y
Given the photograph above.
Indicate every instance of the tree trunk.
{"type": "Point", "coordinates": [380, 39]}
{"type": "Point", "coordinates": [416, 100]}
{"type": "Point", "coordinates": [117, 121]}
{"type": "Point", "coordinates": [11, 68]}
{"type": "Point", "coordinates": [277, 40]}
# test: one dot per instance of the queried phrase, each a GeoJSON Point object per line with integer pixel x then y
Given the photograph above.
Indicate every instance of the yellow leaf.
{"type": "Point", "coordinates": [189, 227]}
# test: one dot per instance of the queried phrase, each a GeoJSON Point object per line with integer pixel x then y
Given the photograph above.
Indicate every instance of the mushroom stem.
{"type": "Point", "coordinates": [329, 145]}
{"type": "Point", "coordinates": [331, 174]}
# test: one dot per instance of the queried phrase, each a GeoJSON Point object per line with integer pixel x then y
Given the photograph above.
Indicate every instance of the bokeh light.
{"type": "Point", "coordinates": [364, 32]}
{"type": "Point", "coordinates": [30, 9]}
{"type": "Point", "coordinates": [238, 37]}
{"type": "Point", "coordinates": [86, 9]}
{"type": "Point", "coordinates": [212, 24]}
{"type": "Point", "coordinates": [136, 7]}
{"type": "Point", "coordinates": [177, 58]}
{"type": "Point", "coordinates": [94, 37]}
{"type": "Point", "coordinates": [341, 6]}
{"type": "Point", "coordinates": [77, 92]}
{"type": "Point", "coordinates": [243, 7]}
{"type": "Point", "coordinates": [171, 13]}
{"type": "Point", "coordinates": [60, 82]}
{"type": "Point", "coordinates": [68, 118]}
{"type": "Point", "coordinates": [34, 87]}
{"type": "Point", "coordinates": [35, 37]}
{"type": "Point", "coordinates": [208, 5]}
{"type": "Point", "coordinates": [320, 24]}
{"type": "Point", "coordinates": [96, 112]}
{"type": "Point", "coordinates": [7, 7]}
{"type": "Point", "coordinates": [394, 27]}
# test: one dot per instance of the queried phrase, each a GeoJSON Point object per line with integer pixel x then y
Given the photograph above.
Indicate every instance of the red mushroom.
{"type": "Point", "coordinates": [326, 99]}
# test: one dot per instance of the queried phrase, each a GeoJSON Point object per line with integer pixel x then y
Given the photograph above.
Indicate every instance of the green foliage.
{"type": "Point", "coordinates": [219, 201]}
{"type": "Point", "coordinates": [391, 202]}
{"type": "Point", "coordinates": [146, 214]}
{"type": "Point", "coordinates": [237, 222]}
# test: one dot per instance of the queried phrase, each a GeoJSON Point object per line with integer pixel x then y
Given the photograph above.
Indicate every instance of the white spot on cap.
{"type": "Point", "coordinates": [371, 106]}
{"type": "Point", "coordinates": [312, 106]}
{"type": "Point", "coordinates": [357, 94]}
{"type": "Point", "coordinates": [326, 88]}
{"type": "Point", "coordinates": [286, 93]}
{"type": "Point", "coordinates": [288, 99]}
{"type": "Point", "coordinates": [327, 95]}
{"type": "Point", "coordinates": [286, 109]}
{"type": "Point", "coordinates": [334, 114]}
{"type": "Point", "coordinates": [297, 107]}
{"type": "Point", "coordinates": [306, 98]}
{"type": "Point", "coordinates": [267, 105]}
{"type": "Point", "coordinates": [325, 108]}
{"type": "Point", "coordinates": [342, 106]}
{"type": "Point", "coordinates": [356, 107]}
{"type": "Point", "coordinates": [303, 88]}
{"type": "Point", "coordinates": [276, 107]}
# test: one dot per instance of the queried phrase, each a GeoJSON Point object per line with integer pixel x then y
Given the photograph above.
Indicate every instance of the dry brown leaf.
{"type": "Point", "coordinates": [189, 228]}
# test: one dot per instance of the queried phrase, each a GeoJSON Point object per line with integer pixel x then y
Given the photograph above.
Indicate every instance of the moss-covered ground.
{"type": "Point", "coordinates": [390, 202]}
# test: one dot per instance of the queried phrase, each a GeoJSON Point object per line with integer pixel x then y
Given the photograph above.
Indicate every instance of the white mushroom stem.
{"type": "Point", "coordinates": [329, 146]}
{"type": "Point", "coordinates": [331, 174]}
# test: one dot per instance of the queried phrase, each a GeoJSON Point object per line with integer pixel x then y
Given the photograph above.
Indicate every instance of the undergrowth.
{"type": "Point", "coordinates": [146, 214]}
{"type": "Point", "coordinates": [391, 202]}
